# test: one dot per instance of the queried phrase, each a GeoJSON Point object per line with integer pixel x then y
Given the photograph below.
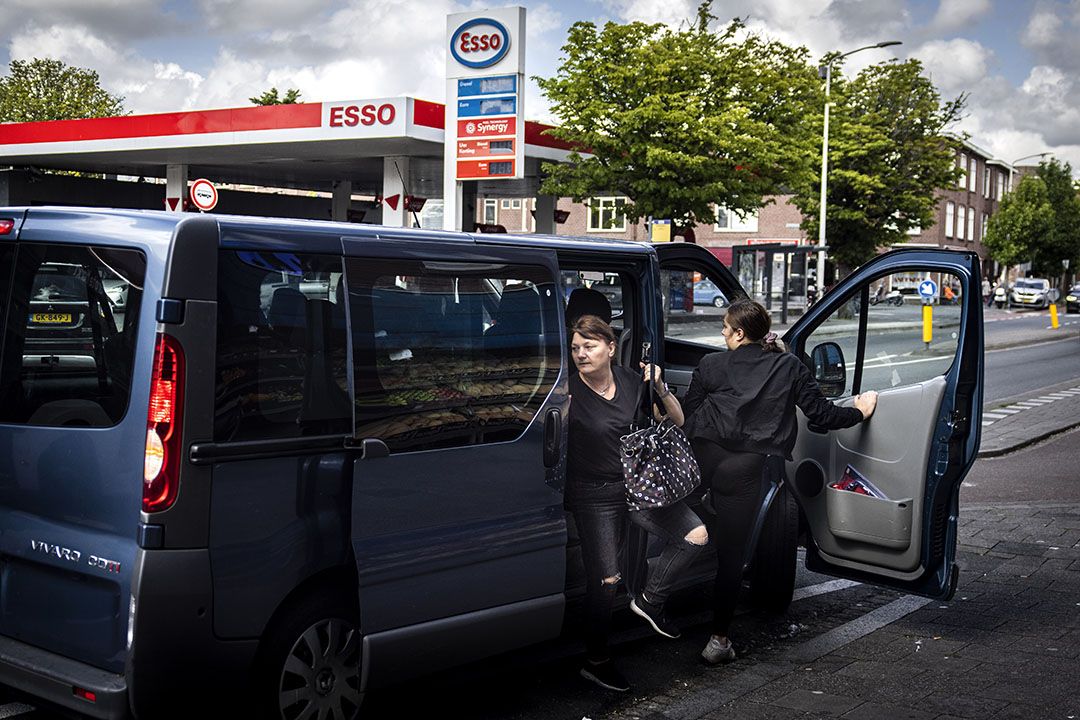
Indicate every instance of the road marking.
{"type": "Point", "coordinates": [13, 709]}
{"type": "Point", "coordinates": [987, 422]}
{"type": "Point", "coordinates": [1061, 396]}
{"type": "Point", "coordinates": [1047, 398]}
{"type": "Point", "coordinates": [840, 636]}
{"type": "Point", "coordinates": [821, 588]}
{"type": "Point", "coordinates": [1007, 411]}
{"type": "Point", "coordinates": [1018, 408]}
{"type": "Point", "coordinates": [995, 416]}
{"type": "Point", "coordinates": [1028, 404]}
{"type": "Point", "coordinates": [871, 364]}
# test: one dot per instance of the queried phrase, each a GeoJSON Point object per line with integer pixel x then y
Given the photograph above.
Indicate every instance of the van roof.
{"type": "Point", "coordinates": [279, 233]}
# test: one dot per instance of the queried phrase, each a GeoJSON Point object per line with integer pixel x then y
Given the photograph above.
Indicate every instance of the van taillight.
{"type": "Point", "coordinates": [6, 226]}
{"type": "Point", "coordinates": [161, 464]}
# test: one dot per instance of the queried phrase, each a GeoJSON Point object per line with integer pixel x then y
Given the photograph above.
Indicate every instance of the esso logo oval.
{"type": "Point", "coordinates": [480, 43]}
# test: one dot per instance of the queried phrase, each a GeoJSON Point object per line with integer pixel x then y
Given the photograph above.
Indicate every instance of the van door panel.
{"type": "Point", "coordinates": [885, 533]}
{"type": "Point", "coordinates": [462, 517]}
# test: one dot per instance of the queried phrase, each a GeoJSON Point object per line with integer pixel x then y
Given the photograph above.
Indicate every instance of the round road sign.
{"type": "Point", "coordinates": [928, 288]}
{"type": "Point", "coordinates": [203, 194]}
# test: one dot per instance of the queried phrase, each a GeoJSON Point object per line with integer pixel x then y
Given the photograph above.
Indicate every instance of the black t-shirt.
{"type": "Point", "coordinates": [596, 424]}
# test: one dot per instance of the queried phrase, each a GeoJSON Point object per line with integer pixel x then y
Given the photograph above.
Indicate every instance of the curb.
{"type": "Point", "coordinates": [998, 452]}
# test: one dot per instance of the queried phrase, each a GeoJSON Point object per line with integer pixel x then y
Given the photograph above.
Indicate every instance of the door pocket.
{"type": "Point", "coordinates": [867, 519]}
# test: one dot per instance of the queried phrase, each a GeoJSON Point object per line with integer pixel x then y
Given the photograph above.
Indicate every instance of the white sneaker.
{"type": "Point", "coordinates": [717, 653]}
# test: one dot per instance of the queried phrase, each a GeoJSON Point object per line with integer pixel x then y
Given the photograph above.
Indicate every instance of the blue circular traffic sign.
{"type": "Point", "coordinates": [928, 288]}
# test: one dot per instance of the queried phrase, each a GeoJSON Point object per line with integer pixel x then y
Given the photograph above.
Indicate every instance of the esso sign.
{"type": "Point", "coordinates": [480, 43]}
{"type": "Point", "coordinates": [353, 115]}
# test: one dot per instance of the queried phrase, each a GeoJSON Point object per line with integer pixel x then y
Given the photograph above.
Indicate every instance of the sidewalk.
{"type": "Point", "coordinates": [1027, 419]}
{"type": "Point", "coordinates": [1006, 646]}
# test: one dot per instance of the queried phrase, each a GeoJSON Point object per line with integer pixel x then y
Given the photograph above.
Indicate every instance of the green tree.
{"type": "Point", "coordinates": [679, 121]}
{"type": "Point", "coordinates": [1063, 241]}
{"type": "Point", "coordinates": [1024, 222]}
{"type": "Point", "coordinates": [889, 154]}
{"type": "Point", "coordinates": [270, 97]}
{"type": "Point", "coordinates": [46, 89]}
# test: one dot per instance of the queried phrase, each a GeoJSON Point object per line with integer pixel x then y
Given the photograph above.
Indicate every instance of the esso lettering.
{"type": "Point", "coordinates": [353, 115]}
{"type": "Point", "coordinates": [480, 43]}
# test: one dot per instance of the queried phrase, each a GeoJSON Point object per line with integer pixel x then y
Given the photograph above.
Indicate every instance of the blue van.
{"type": "Point", "coordinates": [288, 458]}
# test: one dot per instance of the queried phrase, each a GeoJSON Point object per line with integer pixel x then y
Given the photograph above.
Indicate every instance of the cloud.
{"type": "Point", "coordinates": [955, 66]}
{"type": "Point", "coordinates": [115, 20]}
{"type": "Point", "coordinates": [957, 14]}
{"type": "Point", "coordinates": [256, 15]}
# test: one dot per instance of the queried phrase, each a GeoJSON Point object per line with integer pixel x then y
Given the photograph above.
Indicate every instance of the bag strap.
{"type": "Point", "coordinates": [644, 416]}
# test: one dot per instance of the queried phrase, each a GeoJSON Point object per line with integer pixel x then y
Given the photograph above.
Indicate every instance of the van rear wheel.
{"type": "Point", "coordinates": [772, 573]}
{"type": "Point", "coordinates": [311, 663]}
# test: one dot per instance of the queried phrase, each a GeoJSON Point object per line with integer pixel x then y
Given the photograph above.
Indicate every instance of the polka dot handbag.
{"type": "Point", "coordinates": [658, 466]}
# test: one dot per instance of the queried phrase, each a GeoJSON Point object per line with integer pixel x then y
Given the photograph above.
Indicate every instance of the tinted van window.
{"type": "Point", "coordinates": [70, 334]}
{"type": "Point", "coordinates": [281, 350]}
{"type": "Point", "coordinates": [450, 354]}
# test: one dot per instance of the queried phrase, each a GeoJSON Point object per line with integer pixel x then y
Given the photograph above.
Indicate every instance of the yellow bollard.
{"type": "Point", "coordinates": [927, 324]}
{"type": "Point", "coordinates": [1053, 316]}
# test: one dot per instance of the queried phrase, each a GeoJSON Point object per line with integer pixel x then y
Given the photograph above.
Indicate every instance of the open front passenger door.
{"type": "Point", "coordinates": [881, 499]}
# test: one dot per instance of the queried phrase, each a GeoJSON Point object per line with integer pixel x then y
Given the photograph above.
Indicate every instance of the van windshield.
{"type": "Point", "coordinates": [70, 323]}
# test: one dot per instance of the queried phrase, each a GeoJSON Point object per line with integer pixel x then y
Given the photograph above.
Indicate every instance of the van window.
{"type": "Point", "coordinates": [281, 350]}
{"type": "Point", "coordinates": [450, 354]}
{"type": "Point", "coordinates": [70, 333]}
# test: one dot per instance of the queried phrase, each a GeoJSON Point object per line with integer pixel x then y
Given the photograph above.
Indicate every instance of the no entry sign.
{"type": "Point", "coordinates": [204, 195]}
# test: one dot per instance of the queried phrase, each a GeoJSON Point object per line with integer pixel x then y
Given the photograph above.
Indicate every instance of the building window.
{"type": "Point", "coordinates": [972, 167]}
{"type": "Point", "coordinates": [606, 214]}
{"type": "Point", "coordinates": [491, 212]}
{"type": "Point", "coordinates": [986, 182]}
{"type": "Point", "coordinates": [960, 223]}
{"type": "Point", "coordinates": [1000, 185]}
{"type": "Point", "coordinates": [950, 211]}
{"type": "Point", "coordinates": [962, 164]}
{"type": "Point", "coordinates": [731, 221]}
{"type": "Point", "coordinates": [971, 224]}
{"type": "Point", "coordinates": [982, 230]}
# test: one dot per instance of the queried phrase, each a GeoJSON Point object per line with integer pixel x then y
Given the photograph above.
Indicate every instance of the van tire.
{"type": "Point", "coordinates": [772, 573]}
{"type": "Point", "coordinates": [321, 621]}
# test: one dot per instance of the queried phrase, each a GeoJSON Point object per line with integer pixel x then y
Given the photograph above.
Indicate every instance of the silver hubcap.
{"type": "Point", "coordinates": [321, 675]}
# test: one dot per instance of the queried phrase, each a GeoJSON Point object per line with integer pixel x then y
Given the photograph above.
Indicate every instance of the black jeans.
{"type": "Point", "coordinates": [735, 481]}
{"type": "Point", "coordinates": [601, 514]}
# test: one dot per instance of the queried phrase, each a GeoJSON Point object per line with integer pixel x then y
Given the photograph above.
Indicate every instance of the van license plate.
{"type": "Point", "coordinates": [51, 318]}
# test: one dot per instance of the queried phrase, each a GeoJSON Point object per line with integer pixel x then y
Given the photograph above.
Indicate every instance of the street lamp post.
{"type": "Point", "coordinates": [1003, 278]}
{"type": "Point", "coordinates": [827, 70]}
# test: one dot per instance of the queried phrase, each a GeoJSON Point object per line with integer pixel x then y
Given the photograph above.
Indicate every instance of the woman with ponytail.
{"type": "Point", "coordinates": [740, 408]}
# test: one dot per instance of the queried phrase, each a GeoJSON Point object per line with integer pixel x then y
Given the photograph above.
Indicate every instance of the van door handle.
{"type": "Point", "coordinates": [552, 438]}
{"type": "Point", "coordinates": [371, 448]}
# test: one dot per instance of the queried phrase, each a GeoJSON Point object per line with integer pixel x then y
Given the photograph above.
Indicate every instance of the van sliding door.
{"type": "Point", "coordinates": [457, 520]}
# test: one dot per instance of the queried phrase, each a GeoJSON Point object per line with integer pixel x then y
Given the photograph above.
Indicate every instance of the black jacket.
{"type": "Point", "coordinates": [745, 400]}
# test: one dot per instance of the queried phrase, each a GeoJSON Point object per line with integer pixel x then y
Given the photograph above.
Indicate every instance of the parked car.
{"type": "Point", "coordinates": [1072, 299]}
{"type": "Point", "coordinates": [706, 293]}
{"type": "Point", "coordinates": [1031, 292]}
{"type": "Point", "coordinates": [249, 494]}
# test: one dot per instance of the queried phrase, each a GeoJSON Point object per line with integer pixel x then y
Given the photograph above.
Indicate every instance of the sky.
{"type": "Point", "coordinates": [1013, 58]}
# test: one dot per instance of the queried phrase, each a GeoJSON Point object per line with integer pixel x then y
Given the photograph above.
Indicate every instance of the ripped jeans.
{"type": "Point", "coordinates": [601, 514]}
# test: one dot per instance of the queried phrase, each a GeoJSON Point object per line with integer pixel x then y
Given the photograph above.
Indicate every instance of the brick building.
{"type": "Point", "coordinates": [960, 219]}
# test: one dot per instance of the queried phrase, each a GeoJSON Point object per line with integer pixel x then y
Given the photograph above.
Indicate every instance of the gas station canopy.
{"type": "Point", "coordinates": [307, 145]}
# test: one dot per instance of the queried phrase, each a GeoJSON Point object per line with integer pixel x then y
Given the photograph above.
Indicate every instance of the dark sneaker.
{"type": "Point", "coordinates": [605, 675]}
{"type": "Point", "coordinates": [654, 615]}
{"type": "Point", "coordinates": [717, 653]}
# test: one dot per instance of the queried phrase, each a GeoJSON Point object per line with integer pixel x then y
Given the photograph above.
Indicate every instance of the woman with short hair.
{"type": "Point", "coordinates": [604, 402]}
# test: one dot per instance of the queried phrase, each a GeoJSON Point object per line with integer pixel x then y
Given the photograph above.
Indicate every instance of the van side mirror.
{"type": "Point", "coordinates": [829, 369]}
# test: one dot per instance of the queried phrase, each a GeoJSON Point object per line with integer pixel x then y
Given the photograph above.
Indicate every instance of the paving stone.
{"type": "Point", "coordinates": [881, 711]}
{"type": "Point", "coordinates": [817, 701]}
{"type": "Point", "coordinates": [966, 706]}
